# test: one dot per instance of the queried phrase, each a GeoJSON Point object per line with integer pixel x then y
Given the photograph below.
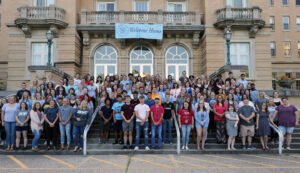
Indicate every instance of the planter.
{"type": "Point", "coordinates": [286, 83]}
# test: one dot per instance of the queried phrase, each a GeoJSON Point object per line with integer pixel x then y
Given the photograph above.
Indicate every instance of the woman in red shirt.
{"type": "Point", "coordinates": [219, 110]}
{"type": "Point", "coordinates": [186, 123]}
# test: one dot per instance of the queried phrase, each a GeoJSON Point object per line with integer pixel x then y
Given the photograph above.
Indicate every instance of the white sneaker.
{"type": "Point", "coordinates": [183, 147]}
{"type": "Point", "coordinates": [136, 148]}
{"type": "Point", "coordinates": [186, 147]}
{"type": "Point", "coordinates": [288, 148]}
{"type": "Point", "coordinates": [147, 148]}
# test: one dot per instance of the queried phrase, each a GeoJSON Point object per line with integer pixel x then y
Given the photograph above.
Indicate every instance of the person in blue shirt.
{"type": "Point", "coordinates": [163, 99]}
{"type": "Point", "coordinates": [201, 121]}
{"type": "Point", "coordinates": [150, 102]}
{"type": "Point", "coordinates": [117, 119]}
{"type": "Point", "coordinates": [161, 91]}
{"type": "Point", "coordinates": [243, 81]}
{"type": "Point", "coordinates": [124, 82]}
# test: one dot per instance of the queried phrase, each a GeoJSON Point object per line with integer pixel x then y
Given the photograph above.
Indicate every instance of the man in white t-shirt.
{"type": "Point", "coordinates": [77, 79]}
{"type": "Point", "coordinates": [142, 114]}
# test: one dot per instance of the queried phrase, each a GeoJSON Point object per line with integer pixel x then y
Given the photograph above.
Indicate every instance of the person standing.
{"type": "Point", "coordinates": [127, 112]}
{"type": "Point", "coordinates": [22, 118]}
{"type": "Point", "coordinates": [106, 114]}
{"type": "Point", "coordinates": [201, 121]}
{"type": "Point", "coordinates": [142, 114]}
{"type": "Point", "coordinates": [247, 114]}
{"type": "Point", "coordinates": [8, 118]}
{"type": "Point", "coordinates": [51, 125]}
{"type": "Point", "coordinates": [243, 81]}
{"type": "Point", "coordinates": [186, 123]}
{"type": "Point", "coordinates": [169, 113]}
{"type": "Point", "coordinates": [157, 112]}
{"type": "Point", "coordinates": [232, 120]}
{"type": "Point", "coordinates": [37, 121]}
{"type": "Point", "coordinates": [287, 119]}
{"type": "Point", "coordinates": [219, 109]}
{"type": "Point", "coordinates": [65, 115]}
{"type": "Point", "coordinates": [262, 125]}
{"type": "Point", "coordinates": [81, 119]}
{"type": "Point", "coordinates": [118, 119]}
{"type": "Point", "coordinates": [23, 89]}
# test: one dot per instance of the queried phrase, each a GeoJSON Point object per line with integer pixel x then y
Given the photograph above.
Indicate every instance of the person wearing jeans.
{"type": "Point", "coordinates": [169, 111]}
{"type": "Point", "coordinates": [157, 113]}
{"type": "Point", "coordinates": [8, 118]}
{"type": "Point", "coordinates": [65, 115]}
{"type": "Point", "coordinates": [186, 123]}
{"type": "Point", "coordinates": [82, 118]}
{"type": "Point", "coordinates": [142, 113]}
{"type": "Point", "coordinates": [37, 121]}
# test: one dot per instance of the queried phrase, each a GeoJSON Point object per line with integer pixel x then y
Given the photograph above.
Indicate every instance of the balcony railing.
{"type": "Point", "coordinates": [160, 17]}
{"type": "Point", "coordinates": [238, 14]}
{"type": "Point", "coordinates": [41, 16]}
{"type": "Point", "coordinates": [50, 12]}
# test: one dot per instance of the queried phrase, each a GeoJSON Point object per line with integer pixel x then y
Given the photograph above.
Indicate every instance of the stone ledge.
{"type": "Point", "coordinates": [48, 69]}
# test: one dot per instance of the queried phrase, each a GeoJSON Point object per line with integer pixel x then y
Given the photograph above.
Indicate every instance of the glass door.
{"type": "Point", "coordinates": [104, 70]}
{"type": "Point", "coordinates": [176, 70]}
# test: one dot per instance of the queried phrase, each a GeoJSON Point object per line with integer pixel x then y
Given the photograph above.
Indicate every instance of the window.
{"type": "Point", "coordinates": [271, 2]}
{"type": "Point", "coordinates": [141, 60]}
{"type": "Point", "coordinates": [297, 2]}
{"type": "Point", "coordinates": [176, 6]}
{"type": "Point", "coordinates": [273, 48]}
{"type": "Point", "coordinates": [141, 5]}
{"type": "Point", "coordinates": [237, 3]}
{"type": "Point", "coordinates": [105, 61]}
{"type": "Point", "coordinates": [286, 23]}
{"type": "Point", "coordinates": [40, 53]}
{"type": "Point", "coordinates": [274, 77]}
{"type": "Point", "coordinates": [239, 53]}
{"type": "Point", "coordinates": [43, 3]}
{"type": "Point", "coordinates": [272, 23]}
{"type": "Point", "coordinates": [105, 6]}
{"type": "Point", "coordinates": [287, 48]}
{"type": "Point", "coordinates": [177, 59]}
{"type": "Point", "coordinates": [298, 46]}
{"type": "Point", "coordinates": [298, 81]}
{"type": "Point", "coordinates": [284, 2]}
{"type": "Point", "coordinates": [288, 74]}
{"type": "Point", "coordinates": [298, 23]}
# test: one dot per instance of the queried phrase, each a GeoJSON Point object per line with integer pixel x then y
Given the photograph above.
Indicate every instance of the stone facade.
{"type": "Point", "coordinates": [79, 32]}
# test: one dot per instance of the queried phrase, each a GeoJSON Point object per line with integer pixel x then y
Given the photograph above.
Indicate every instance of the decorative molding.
{"type": "Point", "coordinates": [253, 30]}
{"type": "Point", "coordinates": [196, 40]}
{"type": "Point", "coordinates": [54, 30]}
{"type": "Point", "coordinates": [86, 38]}
{"type": "Point", "coordinates": [123, 43]}
{"type": "Point", "coordinates": [27, 31]}
{"type": "Point", "coordinates": [159, 43]}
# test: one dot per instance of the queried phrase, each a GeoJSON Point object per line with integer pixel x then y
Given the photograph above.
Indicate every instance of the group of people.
{"type": "Point", "coordinates": [130, 105]}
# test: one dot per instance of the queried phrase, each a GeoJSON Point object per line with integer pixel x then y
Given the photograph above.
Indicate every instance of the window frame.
{"type": "Point", "coordinates": [290, 49]}
{"type": "Point", "coordinates": [298, 2]}
{"type": "Point", "coordinates": [283, 23]}
{"type": "Point", "coordinates": [141, 65]}
{"type": "Point", "coordinates": [105, 3]}
{"type": "Point", "coordinates": [273, 48]}
{"type": "Point", "coordinates": [245, 3]}
{"type": "Point", "coordinates": [287, 2]}
{"type": "Point", "coordinates": [46, 3]}
{"type": "Point", "coordinates": [298, 48]}
{"type": "Point", "coordinates": [105, 65]}
{"type": "Point", "coordinates": [272, 22]}
{"type": "Point", "coordinates": [298, 23]}
{"type": "Point", "coordinates": [147, 1]}
{"type": "Point", "coordinates": [45, 55]}
{"type": "Point", "coordinates": [271, 2]}
{"type": "Point", "coordinates": [183, 3]}
{"type": "Point", "coordinates": [239, 54]}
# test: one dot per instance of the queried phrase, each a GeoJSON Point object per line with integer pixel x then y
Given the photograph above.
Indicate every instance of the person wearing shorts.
{"type": "Point", "coordinates": [127, 111]}
{"type": "Point", "coordinates": [287, 120]}
{"type": "Point", "coordinates": [118, 119]}
{"type": "Point", "coordinates": [246, 114]}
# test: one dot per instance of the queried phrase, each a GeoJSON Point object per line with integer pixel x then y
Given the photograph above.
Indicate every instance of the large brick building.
{"type": "Point", "coordinates": [265, 38]}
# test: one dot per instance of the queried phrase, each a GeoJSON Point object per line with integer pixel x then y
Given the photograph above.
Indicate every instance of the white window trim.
{"type": "Point", "coordinates": [290, 55]}
{"type": "Point", "coordinates": [141, 65]}
{"type": "Point", "coordinates": [272, 22]}
{"type": "Point", "coordinates": [288, 17]}
{"type": "Point", "coordinates": [183, 3]}
{"type": "Point", "coordinates": [34, 2]}
{"type": "Point", "coordinates": [134, 4]}
{"type": "Point", "coordinates": [287, 3]}
{"type": "Point", "coordinates": [246, 3]}
{"type": "Point", "coordinates": [105, 2]}
{"type": "Point", "coordinates": [297, 22]}
{"type": "Point", "coordinates": [106, 64]}
{"type": "Point", "coordinates": [273, 47]}
{"type": "Point", "coordinates": [46, 54]}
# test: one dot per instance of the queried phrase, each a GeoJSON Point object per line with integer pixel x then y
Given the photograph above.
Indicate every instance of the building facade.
{"type": "Point", "coordinates": [193, 38]}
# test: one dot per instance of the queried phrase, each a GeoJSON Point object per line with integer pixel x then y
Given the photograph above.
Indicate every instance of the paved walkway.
{"type": "Point", "coordinates": [150, 163]}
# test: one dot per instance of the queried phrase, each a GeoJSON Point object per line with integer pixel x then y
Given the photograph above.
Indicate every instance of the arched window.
{"type": "Point", "coordinates": [141, 60]}
{"type": "Point", "coordinates": [177, 61]}
{"type": "Point", "coordinates": [105, 59]}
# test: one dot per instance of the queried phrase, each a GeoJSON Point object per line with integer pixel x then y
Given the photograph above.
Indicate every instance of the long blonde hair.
{"type": "Point", "coordinates": [81, 105]}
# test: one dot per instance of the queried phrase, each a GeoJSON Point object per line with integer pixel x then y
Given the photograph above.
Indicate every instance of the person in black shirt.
{"type": "Point", "coordinates": [127, 112]}
{"type": "Point", "coordinates": [168, 118]}
{"type": "Point", "coordinates": [51, 124]}
{"type": "Point", "coordinates": [135, 99]}
{"type": "Point", "coordinates": [230, 77]}
{"type": "Point", "coordinates": [105, 119]}
{"type": "Point", "coordinates": [20, 92]}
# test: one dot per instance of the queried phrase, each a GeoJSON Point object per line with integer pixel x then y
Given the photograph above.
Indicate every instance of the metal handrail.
{"type": "Point", "coordinates": [178, 134]}
{"type": "Point", "coordinates": [86, 130]}
{"type": "Point", "coordinates": [280, 135]}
